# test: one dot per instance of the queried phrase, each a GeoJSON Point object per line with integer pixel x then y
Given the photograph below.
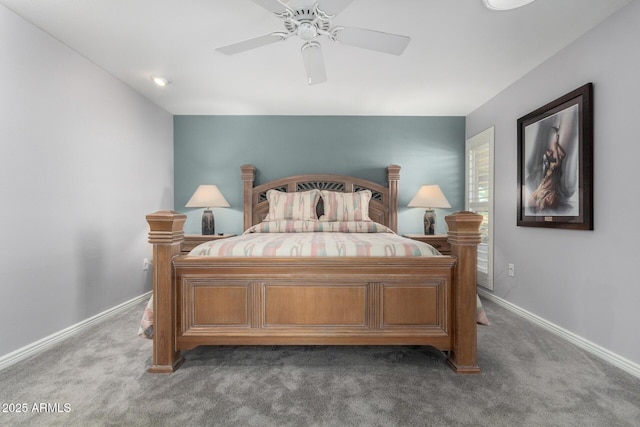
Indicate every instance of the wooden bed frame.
{"type": "Point", "coordinates": [315, 301]}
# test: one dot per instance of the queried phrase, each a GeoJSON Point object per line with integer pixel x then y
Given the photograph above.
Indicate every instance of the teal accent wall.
{"type": "Point", "coordinates": [211, 149]}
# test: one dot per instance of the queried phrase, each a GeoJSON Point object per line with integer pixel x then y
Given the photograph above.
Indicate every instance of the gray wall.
{"type": "Point", "coordinates": [84, 158]}
{"type": "Point", "coordinates": [583, 281]}
{"type": "Point", "coordinates": [211, 149]}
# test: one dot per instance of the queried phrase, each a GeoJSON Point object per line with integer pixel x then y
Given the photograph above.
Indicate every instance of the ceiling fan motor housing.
{"type": "Point", "coordinates": [306, 24]}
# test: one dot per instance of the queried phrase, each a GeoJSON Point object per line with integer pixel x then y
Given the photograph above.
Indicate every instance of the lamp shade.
{"type": "Point", "coordinates": [429, 196]}
{"type": "Point", "coordinates": [207, 196]}
{"type": "Point", "coordinates": [505, 4]}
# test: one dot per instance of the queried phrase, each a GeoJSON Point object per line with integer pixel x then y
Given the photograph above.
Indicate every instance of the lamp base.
{"type": "Point", "coordinates": [429, 222]}
{"type": "Point", "coordinates": [208, 223]}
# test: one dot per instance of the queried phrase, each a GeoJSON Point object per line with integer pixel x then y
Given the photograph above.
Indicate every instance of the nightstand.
{"type": "Point", "coordinates": [438, 241]}
{"type": "Point", "coordinates": [192, 240]}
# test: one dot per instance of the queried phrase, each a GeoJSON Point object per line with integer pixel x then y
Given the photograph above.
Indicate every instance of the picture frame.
{"type": "Point", "coordinates": [555, 163]}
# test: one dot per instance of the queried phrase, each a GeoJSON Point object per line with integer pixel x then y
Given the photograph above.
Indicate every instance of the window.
{"type": "Point", "coordinates": [479, 198]}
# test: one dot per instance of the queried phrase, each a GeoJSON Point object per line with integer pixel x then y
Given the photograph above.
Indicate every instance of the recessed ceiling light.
{"type": "Point", "coordinates": [160, 81]}
{"type": "Point", "coordinates": [505, 4]}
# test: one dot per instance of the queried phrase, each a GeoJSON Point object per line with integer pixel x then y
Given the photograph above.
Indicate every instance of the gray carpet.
{"type": "Point", "coordinates": [530, 378]}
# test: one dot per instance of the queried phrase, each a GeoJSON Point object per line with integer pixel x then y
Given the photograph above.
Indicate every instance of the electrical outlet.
{"type": "Point", "coordinates": [512, 270]}
{"type": "Point", "coordinates": [146, 264]}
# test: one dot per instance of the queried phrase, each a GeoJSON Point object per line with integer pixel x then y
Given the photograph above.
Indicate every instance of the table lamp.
{"type": "Point", "coordinates": [429, 197]}
{"type": "Point", "coordinates": [207, 196]}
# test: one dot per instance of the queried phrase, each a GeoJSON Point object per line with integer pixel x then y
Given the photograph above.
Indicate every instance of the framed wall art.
{"type": "Point", "coordinates": [555, 163]}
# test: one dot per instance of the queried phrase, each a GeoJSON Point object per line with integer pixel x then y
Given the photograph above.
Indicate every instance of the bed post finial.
{"type": "Point", "coordinates": [166, 234]}
{"type": "Point", "coordinates": [464, 237]}
{"type": "Point", "coordinates": [248, 179]}
{"type": "Point", "coordinates": [393, 176]}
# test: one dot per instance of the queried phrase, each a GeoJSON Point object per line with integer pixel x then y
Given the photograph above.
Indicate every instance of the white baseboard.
{"type": "Point", "coordinates": [46, 342]}
{"type": "Point", "coordinates": [604, 354]}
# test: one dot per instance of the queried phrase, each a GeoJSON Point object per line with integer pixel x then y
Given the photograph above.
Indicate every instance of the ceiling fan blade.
{"type": "Point", "coordinates": [394, 44]}
{"type": "Point", "coordinates": [333, 7]}
{"type": "Point", "coordinates": [234, 48]}
{"type": "Point", "coordinates": [274, 6]}
{"type": "Point", "coordinates": [314, 63]}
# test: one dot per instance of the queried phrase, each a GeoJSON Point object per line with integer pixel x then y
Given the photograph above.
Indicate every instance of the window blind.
{"type": "Point", "coordinates": [479, 198]}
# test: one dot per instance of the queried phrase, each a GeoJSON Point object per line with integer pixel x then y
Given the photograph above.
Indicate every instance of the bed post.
{"type": "Point", "coordinates": [166, 233]}
{"type": "Point", "coordinates": [464, 237]}
{"type": "Point", "coordinates": [393, 176]}
{"type": "Point", "coordinates": [248, 178]}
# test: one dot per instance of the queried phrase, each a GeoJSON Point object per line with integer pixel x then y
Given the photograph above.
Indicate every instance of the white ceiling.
{"type": "Point", "coordinates": [460, 55]}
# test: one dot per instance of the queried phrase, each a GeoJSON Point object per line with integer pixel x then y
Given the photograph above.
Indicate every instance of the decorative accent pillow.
{"type": "Point", "coordinates": [296, 206]}
{"type": "Point", "coordinates": [345, 206]}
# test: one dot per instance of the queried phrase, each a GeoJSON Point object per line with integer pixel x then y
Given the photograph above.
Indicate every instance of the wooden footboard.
{"type": "Point", "coordinates": [328, 301]}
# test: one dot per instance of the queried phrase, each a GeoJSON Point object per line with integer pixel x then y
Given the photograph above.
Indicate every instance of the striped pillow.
{"type": "Point", "coordinates": [295, 206]}
{"type": "Point", "coordinates": [346, 206]}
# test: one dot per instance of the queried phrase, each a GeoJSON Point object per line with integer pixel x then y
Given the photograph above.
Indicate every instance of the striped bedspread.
{"type": "Point", "coordinates": [319, 239]}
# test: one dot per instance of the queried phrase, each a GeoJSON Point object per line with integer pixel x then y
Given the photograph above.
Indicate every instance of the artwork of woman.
{"type": "Point", "coordinates": [548, 195]}
{"type": "Point", "coordinates": [551, 173]}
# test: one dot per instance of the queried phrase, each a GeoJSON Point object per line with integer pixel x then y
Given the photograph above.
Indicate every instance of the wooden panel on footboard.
{"type": "Point", "coordinates": [325, 301]}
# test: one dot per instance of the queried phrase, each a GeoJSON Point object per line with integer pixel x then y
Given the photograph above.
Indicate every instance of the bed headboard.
{"type": "Point", "coordinates": [383, 207]}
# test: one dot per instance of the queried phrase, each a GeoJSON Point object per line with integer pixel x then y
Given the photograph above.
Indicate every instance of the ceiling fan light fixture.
{"type": "Point", "coordinates": [160, 81]}
{"type": "Point", "coordinates": [307, 31]}
{"type": "Point", "coordinates": [505, 4]}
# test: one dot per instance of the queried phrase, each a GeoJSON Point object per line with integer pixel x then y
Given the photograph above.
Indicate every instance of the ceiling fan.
{"type": "Point", "coordinates": [311, 19]}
